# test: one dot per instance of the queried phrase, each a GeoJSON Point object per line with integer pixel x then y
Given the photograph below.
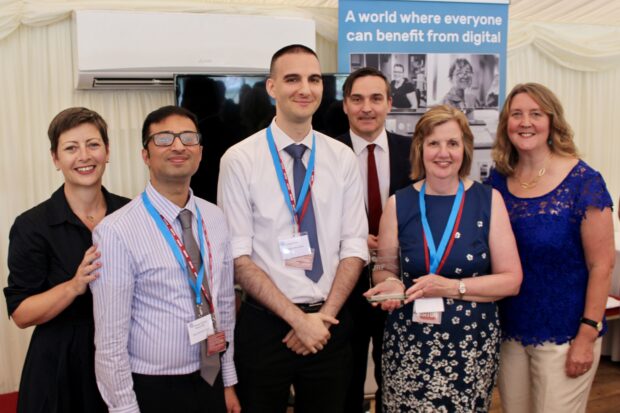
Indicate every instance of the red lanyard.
{"type": "Point", "coordinates": [304, 208]}
{"type": "Point", "coordinates": [450, 243]}
{"type": "Point", "coordinates": [189, 262]}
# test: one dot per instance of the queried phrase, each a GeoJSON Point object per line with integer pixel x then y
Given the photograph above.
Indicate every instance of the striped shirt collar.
{"type": "Point", "coordinates": [167, 208]}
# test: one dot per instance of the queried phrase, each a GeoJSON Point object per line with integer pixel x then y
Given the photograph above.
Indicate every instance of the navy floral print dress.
{"type": "Point", "coordinates": [452, 366]}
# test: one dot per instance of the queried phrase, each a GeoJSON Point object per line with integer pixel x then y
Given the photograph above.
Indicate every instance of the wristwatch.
{"type": "Point", "coordinates": [462, 289]}
{"type": "Point", "coordinates": [592, 323]}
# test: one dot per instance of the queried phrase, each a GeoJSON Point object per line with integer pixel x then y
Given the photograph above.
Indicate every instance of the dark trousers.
{"type": "Point", "coordinates": [266, 368]}
{"type": "Point", "coordinates": [368, 324]}
{"type": "Point", "coordinates": [187, 393]}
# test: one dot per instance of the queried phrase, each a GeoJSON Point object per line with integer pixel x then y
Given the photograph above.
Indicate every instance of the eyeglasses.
{"type": "Point", "coordinates": [167, 138]}
{"type": "Point", "coordinates": [465, 72]}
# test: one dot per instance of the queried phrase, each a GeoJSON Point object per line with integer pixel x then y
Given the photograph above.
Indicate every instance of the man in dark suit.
{"type": "Point", "coordinates": [384, 163]}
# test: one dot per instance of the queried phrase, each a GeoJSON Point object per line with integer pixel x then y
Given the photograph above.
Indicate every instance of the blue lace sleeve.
{"type": "Point", "coordinates": [593, 194]}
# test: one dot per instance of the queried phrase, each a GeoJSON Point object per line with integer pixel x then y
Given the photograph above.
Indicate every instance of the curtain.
{"type": "Point", "coordinates": [36, 81]}
{"type": "Point", "coordinates": [573, 47]}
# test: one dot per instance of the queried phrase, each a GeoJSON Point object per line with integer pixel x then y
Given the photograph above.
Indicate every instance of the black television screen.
{"type": "Point", "coordinates": [232, 107]}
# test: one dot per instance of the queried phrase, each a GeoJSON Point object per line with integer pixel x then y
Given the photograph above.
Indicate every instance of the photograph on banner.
{"type": "Point", "coordinates": [469, 82]}
{"type": "Point", "coordinates": [406, 73]}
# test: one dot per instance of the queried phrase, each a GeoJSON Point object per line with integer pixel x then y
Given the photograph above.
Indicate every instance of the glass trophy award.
{"type": "Point", "coordinates": [384, 263]}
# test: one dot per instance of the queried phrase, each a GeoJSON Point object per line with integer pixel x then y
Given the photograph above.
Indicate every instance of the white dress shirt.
{"type": "Point", "coordinates": [382, 159]}
{"type": "Point", "coordinates": [143, 301]}
{"type": "Point", "coordinates": [250, 195]}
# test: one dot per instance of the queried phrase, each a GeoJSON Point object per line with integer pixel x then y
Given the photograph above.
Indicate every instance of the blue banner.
{"type": "Point", "coordinates": [432, 52]}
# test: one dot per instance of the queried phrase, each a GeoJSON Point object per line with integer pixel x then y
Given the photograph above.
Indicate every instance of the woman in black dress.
{"type": "Point", "coordinates": [51, 261]}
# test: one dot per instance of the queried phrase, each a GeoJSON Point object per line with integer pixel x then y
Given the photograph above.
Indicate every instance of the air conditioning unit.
{"type": "Point", "coordinates": [143, 50]}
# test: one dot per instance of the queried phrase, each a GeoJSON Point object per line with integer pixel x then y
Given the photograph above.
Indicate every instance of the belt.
{"type": "Point", "coordinates": [305, 307]}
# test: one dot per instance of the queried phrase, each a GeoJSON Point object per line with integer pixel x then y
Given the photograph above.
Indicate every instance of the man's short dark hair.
{"type": "Point", "coordinates": [71, 118]}
{"type": "Point", "coordinates": [158, 115]}
{"type": "Point", "coordinates": [363, 72]}
{"type": "Point", "coordinates": [290, 49]}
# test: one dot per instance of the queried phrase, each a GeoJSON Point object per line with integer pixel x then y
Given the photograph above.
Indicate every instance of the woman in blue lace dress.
{"type": "Point", "coordinates": [458, 252]}
{"type": "Point", "coordinates": [560, 212]}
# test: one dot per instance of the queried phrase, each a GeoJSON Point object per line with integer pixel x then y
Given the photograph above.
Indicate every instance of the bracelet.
{"type": "Point", "coordinates": [391, 278]}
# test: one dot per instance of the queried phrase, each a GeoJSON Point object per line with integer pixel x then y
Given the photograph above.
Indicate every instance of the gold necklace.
{"type": "Point", "coordinates": [531, 184]}
{"type": "Point", "coordinates": [91, 218]}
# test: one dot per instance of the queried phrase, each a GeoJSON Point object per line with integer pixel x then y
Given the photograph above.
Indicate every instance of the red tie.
{"type": "Point", "coordinates": [374, 195]}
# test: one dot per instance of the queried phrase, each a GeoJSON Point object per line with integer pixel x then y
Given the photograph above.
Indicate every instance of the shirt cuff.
{"type": "Point", "coordinates": [132, 408]}
{"type": "Point", "coordinates": [241, 246]}
{"type": "Point", "coordinates": [229, 374]}
{"type": "Point", "coordinates": [354, 247]}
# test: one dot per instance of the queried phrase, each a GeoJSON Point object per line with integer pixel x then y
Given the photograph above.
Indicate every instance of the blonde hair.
{"type": "Point", "coordinates": [435, 116]}
{"type": "Point", "coordinates": [560, 139]}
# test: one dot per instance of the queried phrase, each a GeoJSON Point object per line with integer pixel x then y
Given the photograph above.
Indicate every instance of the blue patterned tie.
{"type": "Point", "coordinates": [308, 224]}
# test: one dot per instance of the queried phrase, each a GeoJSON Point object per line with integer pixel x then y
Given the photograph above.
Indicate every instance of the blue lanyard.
{"type": "Point", "coordinates": [277, 163]}
{"type": "Point", "coordinates": [437, 254]}
{"type": "Point", "coordinates": [176, 250]}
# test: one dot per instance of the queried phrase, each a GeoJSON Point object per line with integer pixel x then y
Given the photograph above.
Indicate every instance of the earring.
{"type": "Point", "coordinates": [549, 142]}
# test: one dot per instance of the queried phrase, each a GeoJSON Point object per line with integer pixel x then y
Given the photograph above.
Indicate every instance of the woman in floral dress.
{"type": "Point", "coordinates": [458, 249]}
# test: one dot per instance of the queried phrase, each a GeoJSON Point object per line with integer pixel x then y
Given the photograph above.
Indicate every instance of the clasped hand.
{"type": "Point", "coordinates": [310, 334]}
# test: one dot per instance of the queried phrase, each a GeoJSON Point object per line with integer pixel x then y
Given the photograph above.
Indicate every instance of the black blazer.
{"type": "Point", "coordinates": [400, 167]}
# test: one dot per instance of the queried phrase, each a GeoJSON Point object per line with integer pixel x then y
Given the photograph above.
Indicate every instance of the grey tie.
{"type": "Point", "coordinates": [308, 224]}
{"type": "Point", "coordinates": [209, 365]}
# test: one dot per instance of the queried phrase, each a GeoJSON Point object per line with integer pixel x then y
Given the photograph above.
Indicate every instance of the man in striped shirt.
{"type": "Point", "coordinates": [153, 306]}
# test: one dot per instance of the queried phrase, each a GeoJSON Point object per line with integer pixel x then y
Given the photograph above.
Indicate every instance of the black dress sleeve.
{"type": "Point", "coordinates": [27, 260]}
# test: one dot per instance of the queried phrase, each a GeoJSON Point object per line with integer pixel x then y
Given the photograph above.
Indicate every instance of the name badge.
{"type": "Point", "coordinates": [428, 310]}
{"type": "Point", "coordinates": [200, 329]}
{"type": "Point", "coordinates": [427, 318]}
{"type": "Point", "coordinates": [296, 252]}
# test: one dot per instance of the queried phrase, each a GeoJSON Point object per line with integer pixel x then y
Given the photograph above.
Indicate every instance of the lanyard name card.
{"type": "Point", "coordinates": [429, 310]}
{"type": "Point", "coordinates": [438, 255]}
{"type": "Point", "coordinates": [297, 208]}
{"type": "Point", "coordinates": [181, 254]}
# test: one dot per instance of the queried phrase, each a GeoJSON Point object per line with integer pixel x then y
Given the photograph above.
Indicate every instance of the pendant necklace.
{"type": "Point", "coordinates": [531, 184]}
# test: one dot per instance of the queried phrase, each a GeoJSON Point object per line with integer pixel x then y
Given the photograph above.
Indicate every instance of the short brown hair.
{"type": "Point", "coordinates": [290, 49]}
{"type": "Point", "coordinates": [363, 72]}
{"type": "Point", "coordinates": [74, 117]}
{"type": "Point", "coordinates": [435, 116]}
{"type": "Point", "coordinates": [560, 133]}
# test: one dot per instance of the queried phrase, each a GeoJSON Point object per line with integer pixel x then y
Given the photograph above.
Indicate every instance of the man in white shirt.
{"type": "Point", "coordinates": [384, 164]}
{"type": "Point", "coordinates": [164, 305]}
{"type": "Point", "coordinates": [294, 202]}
